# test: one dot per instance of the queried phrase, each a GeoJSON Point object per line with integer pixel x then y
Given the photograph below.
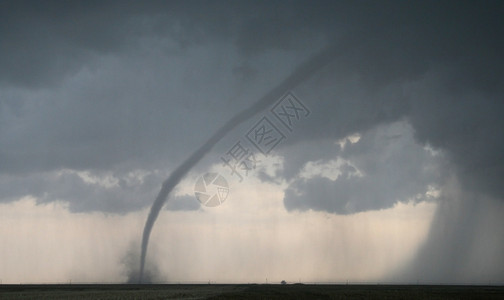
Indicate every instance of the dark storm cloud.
{"type": "Point", "coordinates": [118, 86]}
{"type": "Point", "coordinates": [393, 167]}
{"type": "Point", "coordinates": [390, 54]}
{"type": "Point", "coordinates": [110, 193]}
{"type": "Point", "coordinates": [111, 77]}
{"type": "Point", "coordinates": [42, 43]}
{"type": "Point", "coordinates": [438, 65]}
{"type": "Point", "coordinates": [122, 194]}
{"type": "Point", "coordinates": [467, 124]}
{"type": "Point", "coordinates": [113, 116]}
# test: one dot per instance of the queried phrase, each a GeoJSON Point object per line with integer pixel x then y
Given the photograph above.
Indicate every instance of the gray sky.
{"type": "Point", "coordinates": [99, 102]}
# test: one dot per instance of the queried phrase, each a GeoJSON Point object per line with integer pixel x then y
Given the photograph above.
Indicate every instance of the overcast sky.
{"type": "Point", "coordinates": [392, 173]}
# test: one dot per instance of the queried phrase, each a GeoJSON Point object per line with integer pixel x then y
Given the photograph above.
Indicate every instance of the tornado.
{"type": "Point", "coordinates": [300, 74]}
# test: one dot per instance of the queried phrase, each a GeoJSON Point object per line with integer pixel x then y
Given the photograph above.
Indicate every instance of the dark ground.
{"type": "Point", "coordinates": [248, 291]}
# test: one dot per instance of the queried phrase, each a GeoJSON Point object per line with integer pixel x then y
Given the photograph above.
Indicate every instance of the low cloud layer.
{"type": "Point", "coordinates": [383, 167]}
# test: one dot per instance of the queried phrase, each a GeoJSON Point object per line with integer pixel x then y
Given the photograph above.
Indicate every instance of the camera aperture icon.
{"type": "Point", "coordinates": [211, 189]}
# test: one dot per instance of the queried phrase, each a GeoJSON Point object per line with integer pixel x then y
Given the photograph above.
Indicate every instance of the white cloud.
{"type": "Point", "coordinates": [352, 139]}
{"type": "Point", "coordinates": [330, 169]}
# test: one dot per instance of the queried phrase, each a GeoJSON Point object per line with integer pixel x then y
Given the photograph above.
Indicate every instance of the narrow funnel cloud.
{"type": "Point", "coordinates": [302, 72]}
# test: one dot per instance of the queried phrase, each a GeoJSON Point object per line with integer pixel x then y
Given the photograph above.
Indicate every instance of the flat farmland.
{"type": "Point", "coordinates": [248, 291]}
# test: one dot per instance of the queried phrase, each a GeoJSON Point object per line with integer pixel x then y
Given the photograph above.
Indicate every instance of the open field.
{"type": "Point", "coordinates": [248, 291]}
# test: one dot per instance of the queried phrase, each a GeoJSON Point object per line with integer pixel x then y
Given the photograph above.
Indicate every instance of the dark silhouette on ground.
{"type": "Point", "coordinates": [249, 291]}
